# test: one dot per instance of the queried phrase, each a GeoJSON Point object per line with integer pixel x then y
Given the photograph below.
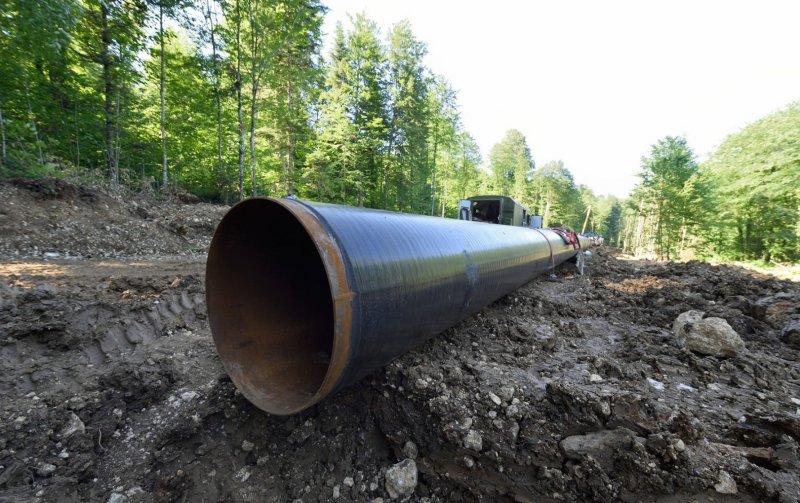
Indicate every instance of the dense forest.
{"type": "Point", "coordinates": [233, 98]}
{"type": "Point", "coordinates": [229, 99]}
{"type": "Point", "coordinates": [741, 204]}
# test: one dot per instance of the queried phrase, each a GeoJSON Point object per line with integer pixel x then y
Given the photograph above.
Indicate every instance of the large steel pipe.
{"type": "Point", "coordinates": [305, 298]}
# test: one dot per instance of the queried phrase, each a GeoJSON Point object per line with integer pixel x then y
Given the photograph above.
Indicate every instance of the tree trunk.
{"type": "Point", "coordinates": [3, 160]}
{"type": "Point", "coordinates": [164, 172]}
{"type": "Point", "coordinates": [108, 80]}
{"type": "Point", "coordinates": [33, 124]}
{"type": "Point", "coordinates": [117, 143]}
{"type": "Point", "coordinates": [253, 105]}
{"type": "Point", "coordinates": [282, 186]}
{"type": "Point", "coordinates": [221, 178]}
{"type": "Point", "coordinates": [412, 185]}
{"type": "Point", "coordinates": [253, 142]}
{"type": "Point", "coordinates": [740, 239]}
{"type": "Point", "coordinates": [659, 229]}
{"type": "Point", "coordinates": [546, 212]}
{"type": "Point", "coordinates": [443, 199]}
{"type": "Point", "coordinates": [77, 139]}
{"type": "Point", "coordinates": [637, 242]}
{"type": "Point", "coordinates": [433, 170]}
{"type": "Point", "coordinates": [360, 189]}
{"type": "Point", "coordinates": [463, 169]}
{"type": "Point", "coordinates": [239, 98]}
{"type": "Point", "coordinates": [586, 220]}
{"type": "Point", "coordinates": [343, 177]}
{"type": "Point", "coordinates": [385, 174]}
{"type": "Point", "coordinates": [290, 163]}
{"type": "Point", "coordinates": [291, 146]}
{"type": "Point", "coordinates": [748, 249]}
{"type": "Point", "coordinates": [683, 238]}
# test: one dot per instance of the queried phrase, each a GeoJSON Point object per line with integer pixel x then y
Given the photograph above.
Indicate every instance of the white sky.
{"type": "Point", "coordinates": [596, 83]}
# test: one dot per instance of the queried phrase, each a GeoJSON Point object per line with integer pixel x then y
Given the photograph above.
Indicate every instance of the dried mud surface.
{"type": "Point", "coordinates": [110, 388]}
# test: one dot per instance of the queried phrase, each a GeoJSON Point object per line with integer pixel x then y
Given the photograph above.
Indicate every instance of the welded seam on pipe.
{"type": "Point", "coordinates": [552, 256]}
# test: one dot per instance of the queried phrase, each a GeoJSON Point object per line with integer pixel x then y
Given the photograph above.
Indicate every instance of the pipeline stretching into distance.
{"type": "Point", "coordinates": [306, 298]}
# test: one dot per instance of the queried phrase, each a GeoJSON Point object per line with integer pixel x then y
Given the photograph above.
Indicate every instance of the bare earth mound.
{"type": "Point", "coordinates": [574, 390]}
{"type": "Point", "coordinates": [54, 219]}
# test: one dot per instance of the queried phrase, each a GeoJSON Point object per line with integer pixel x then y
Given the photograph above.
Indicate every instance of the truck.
{"type": "Point", "coordinates": [502, 210]}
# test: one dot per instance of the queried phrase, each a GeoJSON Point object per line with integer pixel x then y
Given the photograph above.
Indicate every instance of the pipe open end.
{"type": "Point", "coordinates": [271, 306]}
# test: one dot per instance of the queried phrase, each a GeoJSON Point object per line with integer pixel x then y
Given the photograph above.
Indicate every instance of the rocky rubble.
{"type": "Point", "coordinates": [401, 479]}
{"type": "Point", "coordinates": [708, 336]}
{"type": "Point", "coordinates": [791, 334]}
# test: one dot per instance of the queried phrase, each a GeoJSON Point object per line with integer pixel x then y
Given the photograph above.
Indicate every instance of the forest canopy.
{"type": "Point", "coordinates": [229, 99]}
{"type": "Point", "coordinates": [743, 203]}
{"type": "Point", "coordinates": [235, 98]}
{"type": "Point", "coordinates": [756, 178]}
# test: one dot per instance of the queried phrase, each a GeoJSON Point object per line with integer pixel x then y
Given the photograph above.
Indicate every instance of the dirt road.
{"type": "Point", "coordinates": [575, 390]}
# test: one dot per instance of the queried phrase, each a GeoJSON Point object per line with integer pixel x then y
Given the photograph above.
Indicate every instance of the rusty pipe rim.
{"type": "Point", "coordinates": [280, 304]}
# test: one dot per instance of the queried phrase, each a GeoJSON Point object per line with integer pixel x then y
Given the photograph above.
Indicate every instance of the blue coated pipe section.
{"type": "Point", "coordinates": [391, 281]}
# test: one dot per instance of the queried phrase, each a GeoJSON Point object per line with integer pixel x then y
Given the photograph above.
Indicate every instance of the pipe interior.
{"type": "Point", "coordinates": [270, 306]}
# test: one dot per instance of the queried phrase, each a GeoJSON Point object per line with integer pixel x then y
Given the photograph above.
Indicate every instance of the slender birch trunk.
{"type": "Point", "coordinates": [239, 97]}
{"type": "Point", "coordinates": [218, 100]}
{"type": "Point", "coordinates": [433, 171]}
{"type": "Point", "coordinates": [108, 81]}
{"type": "Point", "coordinates": [253, 111]}
{"type": "Point", "coordinates": [77, 139]}
{"type": "Point", "coordinates": [3, 159]}
{"type": "Point", "coordinates": [164, 171]}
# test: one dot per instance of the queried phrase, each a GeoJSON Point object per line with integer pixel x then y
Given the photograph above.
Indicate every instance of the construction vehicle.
{"type": "Point", "coordinates": [502, 210]}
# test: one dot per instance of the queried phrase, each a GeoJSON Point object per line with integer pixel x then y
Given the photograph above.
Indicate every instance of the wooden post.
{"type": "Point", "coordinates": [586, 220]}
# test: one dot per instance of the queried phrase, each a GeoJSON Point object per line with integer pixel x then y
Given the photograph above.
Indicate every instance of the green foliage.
{"type": "Point", "coordinates": [611, 224]}
{"type": "Point", "coordinates": [756, 173]}
{"type": "Point", "coordinates": [667, 206]}
{"type": "Point", "coordinates": [554, 195]}
{"type": "Point", "coordinates": [605, 215]}
{"type": "Point", "coordinates": [444, 150]}
{"type": "Point", "coordinates": [511, 165]}
{"type": "Point", "coordinates": [549, 191]}
{"type": "Point", "coordinates": [405, 175]}
{"type": "Point", "coordinates": [35, 83]}
{"type": "Point", "coordinates": [371, 126]}
{"type": "Point", "coordinates": [189, 118]}
{"type": "Point", "coordinates": [292, 85]}
{"type": "Point", "coordinates": [347, 160]}
{"type": "Point", "coordinates": [81, 97]}
{"type": "Point", "coordinates": [466, 176]}
{"type": "Point", "coordinates": [744, 204]}
{"type": "Point", "coordinates": [389, 132]}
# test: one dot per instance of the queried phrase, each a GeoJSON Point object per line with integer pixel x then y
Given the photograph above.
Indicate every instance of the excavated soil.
{"type": "Point", "coordinates": [574, 390]}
